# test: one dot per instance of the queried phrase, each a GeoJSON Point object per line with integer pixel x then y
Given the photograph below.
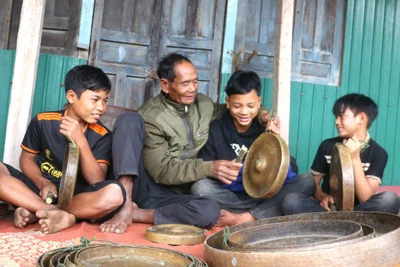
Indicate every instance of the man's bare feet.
{"type": "Point", "coordinates": [228, 218]}
{"type": "Point", "coordinates": [53, 221]}
{"type": "Point", "coordinates": [119, 223]}
{"type": "Point", "coordinates": [23, 217]}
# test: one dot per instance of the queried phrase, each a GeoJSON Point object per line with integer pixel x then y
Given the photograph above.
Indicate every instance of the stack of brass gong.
{"type": "Point", "coordinates": [266, 166]}
{"type": "Point", "coordinates": [97, 255]}
{"type": "Point", "coordinates": [309, 240]}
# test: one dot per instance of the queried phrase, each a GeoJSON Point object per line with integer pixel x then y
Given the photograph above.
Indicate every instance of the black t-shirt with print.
{"type": "Point", "coordinates": [44, 139]}
{"type": "Point", "coordinates": [224, 143]}
{"type": "Point", "coordinates": [373, 160]}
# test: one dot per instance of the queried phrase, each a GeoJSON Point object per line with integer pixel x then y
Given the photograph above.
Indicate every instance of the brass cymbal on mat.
{"type": "Point", "coordinates": [341, 181]}
{"type": "Point", "coordinates": [266, 166]}
{"type": "Point", "coordinates": [176, 234]}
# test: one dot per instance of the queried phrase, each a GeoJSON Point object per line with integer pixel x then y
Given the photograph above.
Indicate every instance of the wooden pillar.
{"type": "Point", "coordinates": [24, 79]}
{"type": "Point", "coordinates": [283, 63]}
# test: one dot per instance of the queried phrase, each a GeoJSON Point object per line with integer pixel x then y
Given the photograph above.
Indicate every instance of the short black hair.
{"type": "Point", "coordinates": [166, 66]}
{"type": "Point", "coordinates": [357, 103]}
{"type": "Point", "coordinates": [85, 77]}
{"type": "Point", "coordinates": [243, 82]}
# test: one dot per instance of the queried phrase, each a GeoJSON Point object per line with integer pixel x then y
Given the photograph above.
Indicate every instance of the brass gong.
{"type": "Point", "coordinates": [176, 234]}
{"type": "Point", "coordinates": [341, 181]}
{"type": "Point", "coordinates": [68, 177]}
{"type": "Point", "coordinates": [266, 166]}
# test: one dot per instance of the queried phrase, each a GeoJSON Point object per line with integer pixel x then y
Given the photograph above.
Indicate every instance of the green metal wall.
{"type": "Point", "coordinates": [49, 91]}
{"type": "Point", "coordinates": [371, 66]}
{"type": "Point", "coordinates": [6, 74]}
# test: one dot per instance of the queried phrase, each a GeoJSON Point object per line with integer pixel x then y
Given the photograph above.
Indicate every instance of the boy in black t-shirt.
{"type": "Point", "coordinates": [239, 126]}
{"type": "Point", "coordinates": [42, 156]}
{"type": "Point", "coordinates": [354, 115]}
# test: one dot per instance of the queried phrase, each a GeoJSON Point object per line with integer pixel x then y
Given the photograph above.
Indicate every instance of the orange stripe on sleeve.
{"type": "Point", "coordinates": [29, 150]}
{"type": "Point", "coordinates": [49, 116]}
{"type": "Point", "coordinates": [98, 129]}
{"type": "Point", "coordinates": [104, 161]}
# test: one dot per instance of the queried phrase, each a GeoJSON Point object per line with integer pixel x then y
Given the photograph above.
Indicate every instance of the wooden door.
{"type": "Point", "coordinates": [318, 39]}
{"type": "Point", "coordinates": [124, 44]}
{"type": "Point", "coordinates": [60, 27]}
{"type": "Point", "coordinates": [129, 37]}
{"type": "Point", "coordinates": [318, 35]}
{"type": "Point", "coordinates": [195, 28]}
{"type": "Point", "coordinates": [255, 31]}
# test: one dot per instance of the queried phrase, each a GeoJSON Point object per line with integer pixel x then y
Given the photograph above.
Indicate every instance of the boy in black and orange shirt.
{"type": "Point", "coordinates": [42, 156]}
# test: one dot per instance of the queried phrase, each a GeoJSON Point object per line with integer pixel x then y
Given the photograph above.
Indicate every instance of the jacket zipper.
{"type": "Point", "coordinates": [189, 132]}
{"type": "Point", "coordinates": [202, 133]}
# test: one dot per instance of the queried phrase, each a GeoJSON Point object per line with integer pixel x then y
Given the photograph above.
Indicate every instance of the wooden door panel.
{"type": "Point", "coordinates": [318, 41]}
{"type": "Point", "coordinates": [255, 28]}
{"type": "Point", "coordinates": [129, 37]}
{"type": "Point", "coordinates": [124, 45]}
{"type": "Point", "coordinates": [194, 28]}
{"type": "Point", "coordinates": [60, 27]}
{"type": "Point", "coordinates": [317, 38]}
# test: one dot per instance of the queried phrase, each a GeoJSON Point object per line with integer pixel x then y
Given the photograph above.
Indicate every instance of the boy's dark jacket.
{"type": "Point", "coordinates": [224, 139]}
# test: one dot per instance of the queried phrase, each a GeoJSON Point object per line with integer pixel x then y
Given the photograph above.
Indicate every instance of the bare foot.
{"type": "Point", "coordinates": [23, 217]}
{"type": "Point", "coordinates": [119, 223]}
{"type": "Point", "coordinates": [228, 218]}
{"type": "Point", "coordinates": [128, 214]}
{"type": "Point", "coordinates": [53, 221]}
{"type": "Point", "coordinates": [142, 215]}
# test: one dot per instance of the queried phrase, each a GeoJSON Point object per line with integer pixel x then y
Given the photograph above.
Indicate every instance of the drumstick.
{"type": "Point", "coordinates": [332, 206]}
{"type": "Point", "coordinates": [49, 198]}
{"type": "Point", "coordinates": [242, 152]}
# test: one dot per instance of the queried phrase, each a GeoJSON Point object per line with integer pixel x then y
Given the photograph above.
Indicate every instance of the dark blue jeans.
{"type": "Point", "coordinates": [299, 203]}
{"type": "Point", "coordinates": [241, 202]}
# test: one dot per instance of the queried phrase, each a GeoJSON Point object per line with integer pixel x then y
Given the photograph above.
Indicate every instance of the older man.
{"type": "Point", "coordinates": [176, 124]}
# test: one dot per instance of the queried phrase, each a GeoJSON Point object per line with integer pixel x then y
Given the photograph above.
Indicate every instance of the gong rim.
{"type": "Point", "coordinates": [176, 234]}
{"type": "Point", "coordinates": [377, 250]}
{"type": "Point", "coordinates": [341, 181]}
{"type": "Point", "coordinates": [266, 166]}
{"type": "Point", "coordinates": [68, 177]}
{"type": "Point", "coordinates": [294, 235]}
{"type": "Point", "coordinates": [128, 254]}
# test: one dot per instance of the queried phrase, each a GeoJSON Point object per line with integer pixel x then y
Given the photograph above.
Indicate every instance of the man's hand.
{"type": "Point", "coordinates": [353, 145]}
{"type": "Point", "coordinates": [273, 123]}
{"type": "Point", "coordinates": [226, 171]}
{"type": "Point", "coordinates": [325, 202]}
{"type": "Point", "coordinates": [71, 129]}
